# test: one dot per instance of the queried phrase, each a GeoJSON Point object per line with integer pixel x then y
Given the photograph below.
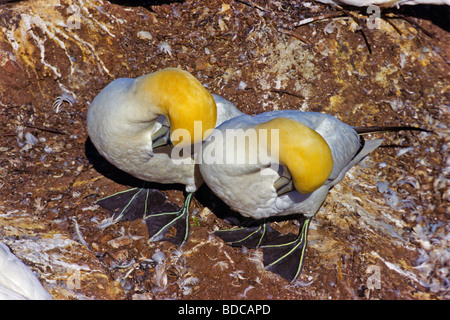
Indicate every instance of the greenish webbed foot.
{"type": "Point", "coordinates": [251, 238]}
{"type": "Point", "coordinates": [172, 226]}
{"type": "Point", "coordinates": [165, 221]}
{"type": "Point", "coordinates": [283, 254]}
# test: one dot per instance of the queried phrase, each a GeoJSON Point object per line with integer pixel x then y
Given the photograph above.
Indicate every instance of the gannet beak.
{"type": "Point", "coordinates": [284, 182]}
{"type": "Point", "coordinates": [161, 137]}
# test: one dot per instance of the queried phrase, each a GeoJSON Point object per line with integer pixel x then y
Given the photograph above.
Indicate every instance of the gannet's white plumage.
{"type": "Point", "coordinates": [225, 110]}
{"type": "Point", "coordinates": [253, 194]}
{"type": "Point", "coordinates": [17, 282]}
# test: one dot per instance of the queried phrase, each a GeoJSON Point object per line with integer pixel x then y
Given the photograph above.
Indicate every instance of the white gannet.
{"type": "Point", "coordinates": [308, 155]}
{"type": "Point", "coordinates": [131, 122]}
{"type": "Point", "coordinates": [17, 282]}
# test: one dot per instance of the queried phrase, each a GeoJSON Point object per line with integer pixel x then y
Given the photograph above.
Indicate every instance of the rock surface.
{"type": "Point", "coordinates": [382, 232]}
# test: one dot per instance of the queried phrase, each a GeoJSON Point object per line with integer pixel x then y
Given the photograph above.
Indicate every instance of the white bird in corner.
{"type": "Point", "coordinates": [132, 123]}
{"type": "Point", "coordinates": [310, 153]}
{"type": "Point", "coordinates": [17, 282]}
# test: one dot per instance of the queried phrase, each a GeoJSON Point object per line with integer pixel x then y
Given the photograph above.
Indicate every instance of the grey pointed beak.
{"type": "Point", "coordinates": [284, 183]}
{"type": "Point", "coordinates": [161, 137]}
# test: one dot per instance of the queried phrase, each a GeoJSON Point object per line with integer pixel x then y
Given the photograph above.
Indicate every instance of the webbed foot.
{"type": "Point", "coordinates": [170, 225]}
{"type": "Point", "coordinates": [165, 220]}
{"type": "Point", "coordinates": [251, 238]}
{"type": "Point", "coordinates": [285, 255]}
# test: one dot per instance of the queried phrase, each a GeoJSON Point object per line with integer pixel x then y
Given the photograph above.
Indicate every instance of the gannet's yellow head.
{"type": "Point", "coordinates": [303, 151]}
{"type": "Point", "coordinates": [179, 96]}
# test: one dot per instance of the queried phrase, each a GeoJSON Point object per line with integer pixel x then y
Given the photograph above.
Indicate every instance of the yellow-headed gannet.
{"type": "Point", "coordinates": [276, 164]}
